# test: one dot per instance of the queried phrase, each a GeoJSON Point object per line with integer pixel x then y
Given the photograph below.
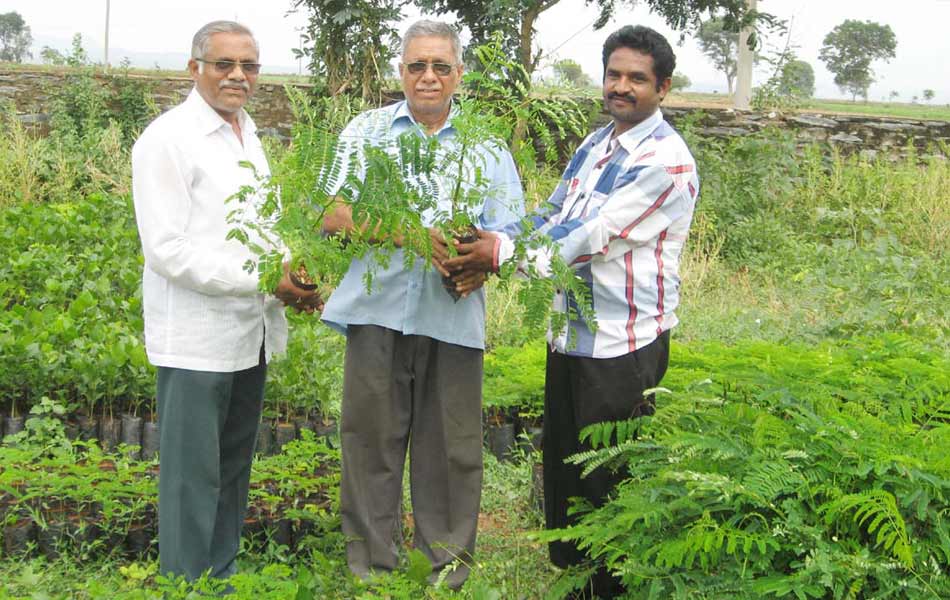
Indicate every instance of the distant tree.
{"type": "Point", "coordinates": [15, 38]}
{"type": "Point", "coordinates": [680, 81]}
{"type": "Point", "coordinates": [797, 79]}
{"type": "Point", "coordinates": [720, 43]}
{"type": "Point", "coordinates": [849, 49]}
{"type": "Point", "coordinates": [350, 42]}
{"type": "Point", "coordinates": [913, 100]}
{"type": "Point", "coordinates": [894, 94]}
{"type": "Point", "coordinates": [52, 56]}
{"type": "Point", "coordinates": [571, 72]}
{"type": "Point", "coordinates": [929, 95]}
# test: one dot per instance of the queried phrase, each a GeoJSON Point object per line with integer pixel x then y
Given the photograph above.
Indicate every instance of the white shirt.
{"type": "Point", "coordinates": [202, 310]}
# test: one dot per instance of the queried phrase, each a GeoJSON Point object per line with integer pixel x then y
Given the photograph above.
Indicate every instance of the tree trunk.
{"type": "Point", "coordinates": [527, 37]}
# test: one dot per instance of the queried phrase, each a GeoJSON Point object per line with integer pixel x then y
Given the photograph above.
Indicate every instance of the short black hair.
{"type": "Point", "coordinates": [645, 40]}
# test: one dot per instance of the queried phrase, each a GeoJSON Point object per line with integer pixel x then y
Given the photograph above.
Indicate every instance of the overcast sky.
{"type": "Point", "coordinates": [160, 32]}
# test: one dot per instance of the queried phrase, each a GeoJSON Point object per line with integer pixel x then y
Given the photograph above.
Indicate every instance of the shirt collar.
{"type": "Point", "coordinates": [210, 121]}
{"type": "Point", "coordinates": [631, 138]}
{"type": "Point", "coordinates": [402, 112]}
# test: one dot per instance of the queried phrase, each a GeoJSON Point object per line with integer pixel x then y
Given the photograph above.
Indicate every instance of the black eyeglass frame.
{"type": "Point", "coordinates": [420, 66]}
{"type": "Point", "coordinates": [226, 66]}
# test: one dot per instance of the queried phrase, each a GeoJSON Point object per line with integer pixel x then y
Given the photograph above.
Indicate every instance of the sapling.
{"type": "Point", "coordinates": [393, 184]}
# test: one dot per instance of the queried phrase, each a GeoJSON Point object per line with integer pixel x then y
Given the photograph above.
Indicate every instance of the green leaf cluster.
{"type": "Point", "coordinates": [787, 471]}
{"type": "Point", "coordinates": [72, 319]}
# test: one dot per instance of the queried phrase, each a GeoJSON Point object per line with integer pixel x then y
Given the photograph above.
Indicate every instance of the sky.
{"type": "Point", "coordinates": [151, 33]}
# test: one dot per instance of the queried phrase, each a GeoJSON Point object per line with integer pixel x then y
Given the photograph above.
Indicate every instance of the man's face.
{"type": "Point", "coordinates": [429, 93]}
{"type": "Point", "coordinates": [630, 90]}
{"type": "Point", "coordinates": [225, 91]}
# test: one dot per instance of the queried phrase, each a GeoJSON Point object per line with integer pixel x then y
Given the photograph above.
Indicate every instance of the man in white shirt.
{"type": "Point", "coordinates": [208, 329]}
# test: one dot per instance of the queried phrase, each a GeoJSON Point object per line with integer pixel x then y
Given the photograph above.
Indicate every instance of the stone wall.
{"type": "Point", "coordinates": [29, 91]}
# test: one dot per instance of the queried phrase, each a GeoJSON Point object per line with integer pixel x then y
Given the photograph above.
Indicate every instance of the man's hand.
{"type": "Point", "coordinates": [468, 281]}
{"type": "Point", "coordinates": [476, 256]}
{"type": "Point", "coordinates": [302, 300]}
{"type": "Point", "coordinates": [440, 251]}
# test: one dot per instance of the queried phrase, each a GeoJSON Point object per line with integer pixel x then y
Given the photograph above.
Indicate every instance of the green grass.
{"type": "Point", "coordinates": [931, 112]}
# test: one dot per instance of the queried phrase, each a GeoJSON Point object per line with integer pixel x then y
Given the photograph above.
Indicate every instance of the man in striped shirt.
{"type": "Point", "coordinates": [620, 217]}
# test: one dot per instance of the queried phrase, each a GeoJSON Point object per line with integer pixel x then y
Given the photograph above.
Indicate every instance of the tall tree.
{"type": "Point", "coordinates": [720, 44]}
{"type": "Point", "coordinates": [570, 71]}
{"type": "Point", "coordinates": [849, 49]}
{"type": "Point", "coordinates": [929, 95]}
{"type": "Point", "coordinates": [350, 43]}
{"type": "Point", "coordinates": [797, 79]}
{"type": "Point", "coordinates": [516, 19]}
{"type": "Point", "coordinates": [15, 38]}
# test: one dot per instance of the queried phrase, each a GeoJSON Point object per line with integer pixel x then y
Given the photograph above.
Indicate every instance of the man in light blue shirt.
{"type": "Point", "coordinates": [413, 367]}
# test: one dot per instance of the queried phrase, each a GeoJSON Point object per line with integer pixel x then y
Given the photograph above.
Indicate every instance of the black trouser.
{"type": "Point", "coordinates": [579, 392]}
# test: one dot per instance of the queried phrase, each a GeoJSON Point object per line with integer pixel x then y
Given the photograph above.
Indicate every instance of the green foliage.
{"type": "Point", "coordinates": [350, 44]}
{"type": "Point", "coordinates": [849, 49]}
{"type": "Point", "coordinates": [514, 377]}
{"type": "Point", "coordinates": [571, 73]}
{"type": "Point", "coordinates": [15, 37]}
{"type": "Point", "coordinates": [797, 470]}
{"type": "Point", "coordinates": [92, 127]}
{"type": "Point", "coordinates": [71, 324]}
{"type": "Point", "coordinates": [680, 82]}
{"type": "Point", "coordinates": [797, 79]}
{"type": "Point", "coordinates": [311, 382]}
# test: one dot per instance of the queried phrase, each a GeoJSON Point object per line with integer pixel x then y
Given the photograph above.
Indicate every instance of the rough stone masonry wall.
{"type": "Point", "coordinates": [29, 91]}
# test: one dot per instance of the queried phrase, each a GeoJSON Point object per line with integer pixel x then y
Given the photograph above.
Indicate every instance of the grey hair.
{"type": "Point", "coordinates": [202, 39]}
{"type": "Point", "coordinates": [425, 28]}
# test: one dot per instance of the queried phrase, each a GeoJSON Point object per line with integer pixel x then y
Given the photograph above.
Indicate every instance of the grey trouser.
{"type": "Point", "coordinates": [208, 428]}
{"type": "Point", "coordinates": [410, 391]}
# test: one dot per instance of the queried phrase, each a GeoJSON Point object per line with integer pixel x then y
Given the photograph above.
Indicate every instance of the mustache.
{"type": "Point", "coordinates": [236, 85]}
{"type": "Point", "coordinates": [627, 97]}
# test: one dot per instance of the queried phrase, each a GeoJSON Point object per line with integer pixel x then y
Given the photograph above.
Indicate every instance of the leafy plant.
{"type": "Point", "coordinates": [393, 185]}
{"type": "Point", "coordinates": [806, 472]}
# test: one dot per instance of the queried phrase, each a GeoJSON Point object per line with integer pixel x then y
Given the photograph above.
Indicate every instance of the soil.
{"type": "Point", "coordinates": [301, 278]}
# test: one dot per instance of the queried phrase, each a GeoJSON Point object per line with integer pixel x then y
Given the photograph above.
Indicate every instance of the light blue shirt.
{"type": "Point", "coordinates": [413, 301]}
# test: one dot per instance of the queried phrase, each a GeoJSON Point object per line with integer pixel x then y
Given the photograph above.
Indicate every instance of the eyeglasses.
{"type": "Point", "coordinates": [419, 67]}
{"type": "Point", "coordinates": [226, 66]}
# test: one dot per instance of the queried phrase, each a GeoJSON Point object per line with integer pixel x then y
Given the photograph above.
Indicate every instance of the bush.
{"type": "Point", "coordinates": [793, 471]}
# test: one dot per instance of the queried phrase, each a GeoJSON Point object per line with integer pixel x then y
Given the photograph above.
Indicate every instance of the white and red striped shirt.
{"type": "Point", "coordinates": [620, 217]}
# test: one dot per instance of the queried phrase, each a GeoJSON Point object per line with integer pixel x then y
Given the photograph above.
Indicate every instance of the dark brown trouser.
{"type": "Point", "coordinates": [579, 392]}
{"type": "Point", "coordinates": [410, 391]}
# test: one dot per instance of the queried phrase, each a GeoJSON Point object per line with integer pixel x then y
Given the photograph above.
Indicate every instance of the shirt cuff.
{"type": "Point", "coordinates": [504, 251]}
